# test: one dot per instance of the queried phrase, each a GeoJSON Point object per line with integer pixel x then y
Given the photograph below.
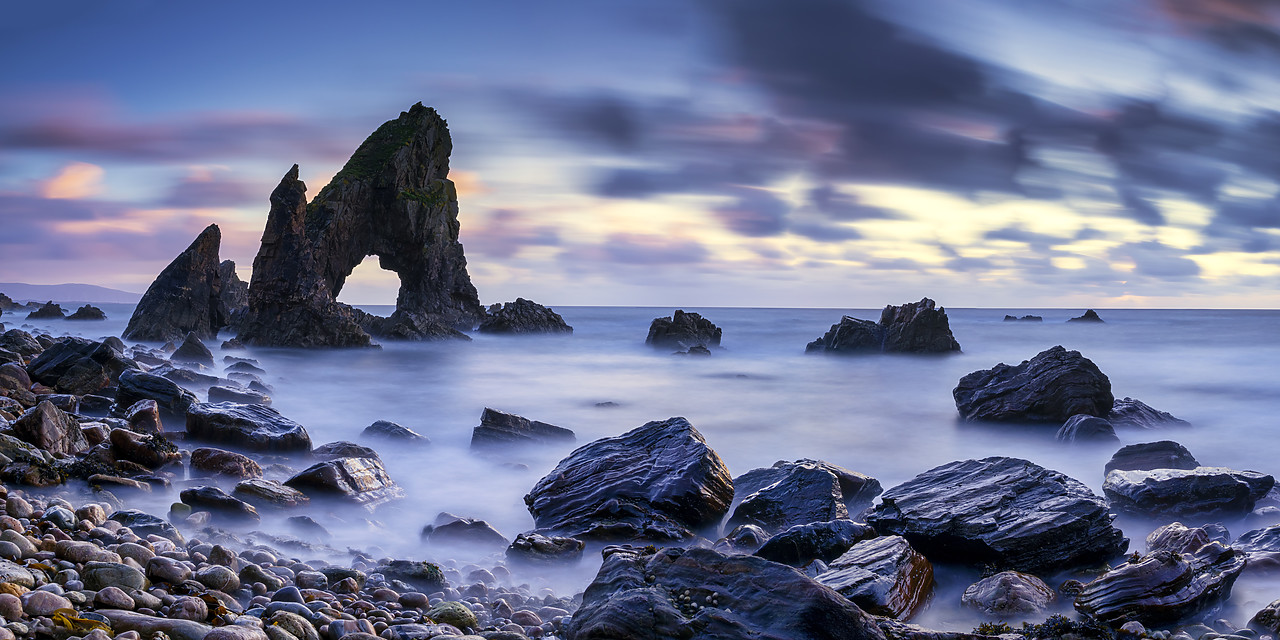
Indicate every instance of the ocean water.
{"type": "Point", "coordinates": [758, 400]}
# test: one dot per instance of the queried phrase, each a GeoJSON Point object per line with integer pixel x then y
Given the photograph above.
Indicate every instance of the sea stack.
{"type": "Point", "coordinates": [185, 298]}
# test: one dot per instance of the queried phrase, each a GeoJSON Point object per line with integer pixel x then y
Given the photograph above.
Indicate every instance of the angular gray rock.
{"type": "Point", "coordinates": [499, 429]}
{"type": "Point", "coordinates": [392, 199]}
{"type": "Point", "coordinates": [79, 366]}
{"type": "Point", "coordinates": [363, 481]}
{"type": "Point", "coordinates": [884, 576]}
{"type": "Point", "coordinates": [47, 311]}
{"type": "Point", "coordinates": [172, 401]}
{"type": "Point", "coordinates": [391, 431]}
{"type": "Point", "coordinates": [1009, 594]}
{"type": "Point", "coordinates": [1051, 387]}
{"type": "Point", "coordinates": [659, 482]}
{"type": "Point", "coordinates": [914, 327]}
{"type": "Point", "coordinates": [537, 549]}
{"type": "Point", "coordinates": [1130, 413]}
{"type": "Point", "coordinates": [682, 331]}
{"type": "Point", "coordinates": [193, 350]}
{"type": "Point", "coordinates": [802, 544]}
{"type": "Point", "coordinates": [250, 426]}
{"type": "Point", "coordinates": [1163, 588]}
{"type": "Point", "coordinates": [522, 317]}
{"type": "Point", "coordinates": [857, 489]}
{"type": "Point", "coordinates": [186, 297]}
{"type": "Point", "coordinates": [1082, 429]}
{"type": "Point", "coordinates": [50, 429]}
{"type": "Point", "coordinates": [235, 292]}
{"type": "Point", "coordinates": [88, 312]}
{"type": "Point", "coordinates": [1186, 492]}
{"type": "Point", "coordinates": [1005, 512]}
{"type": "Point", "coordinates": [639, 595]}
{"type": "Point", "coordinates": [1146, 456]}
{"type": "Point", "coordinates": [802, 496]}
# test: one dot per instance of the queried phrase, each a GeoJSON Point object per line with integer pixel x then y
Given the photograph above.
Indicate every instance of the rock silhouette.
{"type": "Point", "coordinates": [914, 327]}
{"type": "Point", "coordinates": [185, 298]}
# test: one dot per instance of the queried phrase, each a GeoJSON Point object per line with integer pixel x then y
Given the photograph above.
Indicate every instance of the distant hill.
{"type": "Point", "coordinates": [67, 293]}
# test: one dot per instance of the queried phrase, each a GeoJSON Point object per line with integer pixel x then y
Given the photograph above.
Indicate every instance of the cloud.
{"type": "Point", "coordinates": [506, 232]}
{"type": "Point", "coordinates": [819, 232]}
{"type": "Point", "coordinates": [832, 203]}
{"type": "Point", "coordinates": [75, 181]}
{"type": "Point", "coordinates": [755, 213]}
{"type": "Point", "coordinates": [643, 249]}
{"type": "Point", "coordinates": [205, 190]}
{"type": "Point", "coordinates": [1152, 258]}
{"type": "Point", "coordinates": [1041, 241]}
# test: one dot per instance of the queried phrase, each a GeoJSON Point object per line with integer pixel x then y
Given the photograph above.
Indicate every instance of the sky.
{"type": "Point", "coordinates": [753, 153]}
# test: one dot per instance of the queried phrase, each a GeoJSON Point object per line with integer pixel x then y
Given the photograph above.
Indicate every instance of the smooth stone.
{"type": "Point", "coordinates": [99, 575]}
{"type": "Point", "coordinates": [113, 597]}
{"type": "Point", "coordinates": [1082, 429]}
{"type": "Point", "coordinates": [43, 603]}
{"type": "Point", "coordinates": [1009, 594]}
{"type": "Point", "coordinates": [250, 426]}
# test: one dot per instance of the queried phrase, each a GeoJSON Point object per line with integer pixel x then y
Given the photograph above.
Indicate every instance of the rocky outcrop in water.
{"type": "Point", "coordinates": [801, 496]}
{"type": "Point", "coordinates": [393, 200]}
{"type": "Point", "coordinates": [884, 576]}
{"type": "Point", "coordinates": [1051, 387]}
{"type": "Point", "coordinates": [856, 489]}
{"type": "Point", "coordinates": [1082, 429]}
{"type": "Point", "coordinates": [682, 331]}
{"type": "Point", "coordinates": [88, 312]}
{"type": "Point", "coordinates": [1026, 318]}
{"type": "Point", "coordinates": [1165, 454]}
{"type": "Point", "coordinates": [1186, 492]}
{"type": "Point", "coordinates": [1131, 413]}
{"type": "Point", "coordinates": [522, 317]}
{"type": "Point", "coordinates": [193, 350]}
{"type": "Point", "coordinates": [1162, 587]}
{"type": "Point", "coordinates": [250, 426]}
{"type": "Point", "coordinates": [1006, 512]}
{"type": "Point", "coordinates": [363, 481]}
{"type": "Point", "coordinates": [79, 366]}
{"type": "Point", "coordinates": [47, 311]}
{"type": "Point", "coordinates": [172, 401]}
{"type": "Point", "coordinates": [699, 594]}
{"type": "Point", "coordinates": [498, 429]}
{"type": "Point", "coordinates": [915, 327]}
{"type": "Point", "coordinates": [186, 297]}
{"type": "Point", "coordinates": [1089, 316]}
{"type": "Point", "coordinates": [656, 482]}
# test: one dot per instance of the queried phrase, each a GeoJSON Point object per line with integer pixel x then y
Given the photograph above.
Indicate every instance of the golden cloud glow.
{"type": "Point", "coordinates": [75, 181]}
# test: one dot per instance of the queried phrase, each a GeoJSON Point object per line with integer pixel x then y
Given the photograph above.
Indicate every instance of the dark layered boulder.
{"type": "Point", "coordinates": [1082, 429]}
{"type": "Point", "coordinates": [452, 530]}
{"type": "Point", "coordinates": [656, 482]}
{"type": "Point", "coordinates": [1005, 512]}
{"type": "Point", "coordinates": [802, 496]}
{"type": "Point", "coordinates": [392, 199]}
{"type": "Point", "coordinates": [186, 297]}
{"type": "Point", "coordinates": [1186, 492]}
{"type": "Point", "coordinates": [1136, 414]}
{"type": "Point", "coordinates": [193, 350]}
{"type": "Point", "coordinates": [1163, 588]}
{"type": "Point", "coordinates": [21, 343]}
{"type": "Point", "coordinates": [802, 544]}
{"type": "Point", "coordinates": [1261, 547]}
{"type": "Point", "coordinates": [218, 502]}
{"type": "Point", "coordinates": [537, 549]}
{"type": "Point", "coordinates": [522, 317]}
{"type": "Point", "coordinates": [1176, 537]}
{"type": "Point", "coordinates": [88, 312]}
{"type": "Point", "coordinates": [250, 426]}
{"type": "Point", "coordinates": [1009, 594]}
{"type": "Point", "coordinates": [914, 327]}
{"type": "Point", "coordinates": [48, 311]}
{"type": "Point", "coordinates": [172, 400]}
{"type": "Point", "coordinates": [221, 462]}
{"type": "Point", "coordinates": [80, 366]}
{"type": "Point", "coordinates": [641, 594]}
{"type": "Point", "coordinates": [263, 493]}
{"type": "Point", "coordinates": [384, 430]}
{"type": "Point", "coordinates": [1051, 387]}
{"type": "Point", "coordinates": [682, 331]}
{"type": "Point", "coordinates": [498, 429]}
{"type": "Point", "coordinates": [148, 450]}
{"type": "Point", "coordinates": [884, 576]}
{"type": "Point", "coordinates": [1087, 316]}
{"type": "Point", "coordinates": [235, 292]}
{"type": "Point", "coordinates": [856, 489]}
{"type": "Point", "coordinates": [362, 481]}
{"type": "Point", "coordinates": [1146, 456]}
{"type": "Point", "coordinates": [51, 429]}
{"type": "Point", "coordinates": [237, 394]}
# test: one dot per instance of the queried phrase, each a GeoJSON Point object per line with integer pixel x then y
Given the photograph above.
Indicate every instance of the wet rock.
{"type": "Point", "coordinates": [681, 331]}
{"type": "Point", "coordinates": [245, 366]}
{"type": "Point", "coordinates": [239, 395]}
{"type": "Point", "coordinates": [452, 530]}
{"type": "Point", "coordinates": [222, 505]}
{"type": "Point", "coordinates": [1176, 537]}
{"type": "Point", "coordinates": [100, 575]}
{"type": "Point", "coordinates": [269, 493]}
{"type": "Point", "coordinates": [655, 482]}
{"type": "Point", "coordinates": [11, 573]}
{"type": "Point", "coordinates": [143, 416]}
{"type": "Point", "coordinates": [343, 449]}
{"type": "Point", "coordinates": [914, 327]}
{"type": "Point", "coordinates": [856, 488]}
{"type": "Point", "coordinates": [150, 451]}
{"type": "Point", "coordinates": [252, 427]}
{"type": "Point", "coordinates": [360, 480]}
{"type": "Point", "coordinates": [747, 538]}
{"type": "Point", "coordinates": [1267, 619]}
{"type": "Point", "coordinates": [537, 549]}
{"type": "Point", "coordinates": [187, 378]}
{"type": "Point", "coordinates": [825, 541]}
{"type": "Point", "coordinates": [393, 200]}
{"type": "Point", "coordinates": [185, 297]}
{"type": "Point", "coordinates": [1261, 547]}
{"type": "Point", "coordinates": [498, 429]}
{"type": "Point", "coordinates": [423, 575]}
{"type": "Point", "coordinates": [1162, 587]}
{"type": "Point", "coordinates": [1009, 594]}
{"type": "Point", "coordinates": [664, 594]}
{"type": "Point", "coordinates": [113, 597]}
{"type": "Point", "coordinates": [193, 350]}
{"type": "Point", "coordinates": [453, 613]}
{"type": "Point", "coordinates": [385, 430]}
{"type": "Point", "coordinates": [43, 603]}
{"type": "Point", "coordinates": [1130, 413]}
{"type": "Point", "coordinates": [50, 429]}
{"type": "Point", "coordinates": [1148, 456]}
{"type": "Point", "coordinates": [1186, 492]}
{"type": "Point", "coordinates": [803, 495]}
{"type": "Point", "coordinates": [235, 292]}
{"type": "Point", "coordinates": [1082, 429]}
{"type": "Point", "coordinates": [1089, 316]}
{"type": "Point", "coordinates": [172, 400]}
{"type": "Point", "coordinates": [79, 366]}
{"type": "Point", "coordinates": [88, 312]}
{"type": "Point", "coordinates": [125, 621]}
{"type": "Point", "coordinates": [47, 311]}
{"type": "Point", "coordinates": [522, 317]}
{"type": "Point", "coordinates": [1006, 512]}
{"type": "Point", "coordinates": [21, 343]}
{"type": "Point", "coordinates": [224, 463]}
{"type": "Point", "coordinates": [884, 576]}
{"type": "Point", "coordinates": [1051, 387]}
{"type": "Point", "coordinates": [144, 524]}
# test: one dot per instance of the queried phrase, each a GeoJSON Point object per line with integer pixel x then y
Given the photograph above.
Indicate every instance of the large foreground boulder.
{"type": "Point", "coordinates": [50, 429]}
{"type": "Point", "coordinates": [1051, 387]}
{"type": "Point", "coordinates": [1163, 587]}
{"type": "Point", "coordinates": [699, 594]}
{"type": "Point", "coordinates": [915, 327]}
{"type": "Point", "coordinates": [499, 429]}
{"type": "Point", "coordinates": [80, 366]}
{"type": "Point", "coordinates": [656, 482]}
{"type": "Point", "coordinates": [186, 297]}
{"type": "Point", "coordinates": [883, 576]}
{"type": "Point", "coordinates": [522, 317]}
{"type": "Point", "coordinates": [1215, 491]}
{"type": "Point", "coordinates": [250, 426]}
{"type": "Point", "coordinates": [363, 481]}
{"type": "Point", "coordinates": [171, 400]}
{"type": "Point", "coordinates": [682, 331]}
{"type": "Point", "coordinates": [1005, 512]}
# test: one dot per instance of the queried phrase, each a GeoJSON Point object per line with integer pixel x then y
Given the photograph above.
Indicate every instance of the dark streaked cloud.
{"type": "Point", "coordinates": [216, 192]}
{"type": "Point", "coordinates": [1152, 258]}
{"type": "Point", "coordinates": [754, 213]}
{"type": "Point", "coordinates": [506, 232]}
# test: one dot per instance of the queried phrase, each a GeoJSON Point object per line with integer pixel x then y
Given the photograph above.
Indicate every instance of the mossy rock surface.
{"type": "Point", "coordinates": [454, 613]}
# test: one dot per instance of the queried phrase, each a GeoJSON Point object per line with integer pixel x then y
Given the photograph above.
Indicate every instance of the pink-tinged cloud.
{"type": "Point", "coordinates": [506, 232]}
{"type": "Point", "coordinates": [75, 181]}
{"type": "Point", "coordinates": [647, 249]}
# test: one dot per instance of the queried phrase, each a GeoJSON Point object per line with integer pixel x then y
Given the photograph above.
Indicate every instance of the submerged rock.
{"type": "Point", "coordinates": [47, 311]}
{"type": "Point", "coordinates": [449, 529]}
{"type": "Point", "coordinates": [385, 430]}
{"type": "Point", "coordinates": [655, 482]}
{"type": "Point", "coordinates": [1006, 512]}
{"type": "Point", "coordinates": [1089, 316]}
{"type": "Point", "coordinates": [522, 317]}
{"type": "Point", "coordinates": [802, 544]}
{"type": "Point", "coordinates": [1009, 594]}
{"type": "Point", "coordinates": [498, 429]}
{"type": "Point", "coordinates": [914, 327]}
{"type": "Point", "coordinates": [699, 594]}
{"type": "Point", "coordinates": [392, 199]}
{"type": "Point", "coordinates": [220, 503]}
{"type": "Point", "coordinates": [186, 297]}
{"type": "Point", "coordinates": [1162, 587]}
{"type": "Point", "coordinates": [1146, 456]}
{"type": "Point", "coordinates": [363, 481]}
{"type": "Point", "coordinates": [537, 549]}
{"type": "Point", "coordinates": [1186, 492]}
{"type": "Point", "coordinates": [88, 312]}
{"type": "Point", "coordinates": [251, 426]}
{"type": "Point", "coordinates": [1086, 429]}
{"type": "Point", "coordinates": [224, 463]}
{"type": "Point", "coordinates": [1026, 318]}
{"type": "Point", "coordinates": [884, 576]}
{"type": "Point", "coordinates": [682, 331]}
{"type": "Point", "coordinates": [1131, 413]}
{"type": "Point", "coordinates": [1051, 387]}
{"type": "Point", "coordinates": [264, 493]}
